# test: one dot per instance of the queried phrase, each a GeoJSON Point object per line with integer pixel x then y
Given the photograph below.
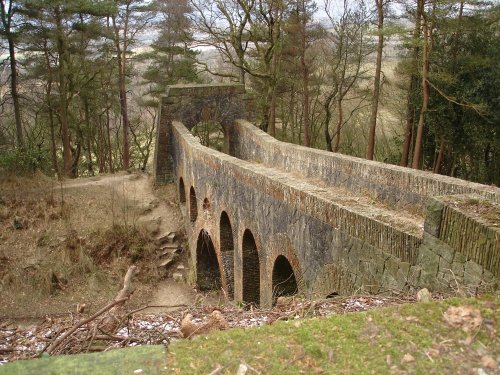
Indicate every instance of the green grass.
{"type": "Point", "coordinates": [151, 359]}
{"type": "Point", "coordinates": [372, 342]}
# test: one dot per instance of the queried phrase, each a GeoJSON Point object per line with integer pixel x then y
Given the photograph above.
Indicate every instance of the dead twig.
{"type": "Point", "coordinates": [57, 342]}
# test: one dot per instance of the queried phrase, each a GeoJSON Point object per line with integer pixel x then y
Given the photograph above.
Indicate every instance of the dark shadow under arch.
{"type": "Point", "coordinates": [208, 276]}
{"type": "Point", "coordinates": [182, 191]}
{"type": "Point", "coordinates": [227, 251]}
{"type": "Point", "coordinates": [251, 269]}
{"type": "Point", "coordinates": [193, 205]}
{"type": "Point", "coordinates": [284, 281]}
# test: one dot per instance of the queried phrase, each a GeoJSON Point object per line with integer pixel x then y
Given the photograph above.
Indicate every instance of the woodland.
{"type": "Point", "coordinates": [408, 82]}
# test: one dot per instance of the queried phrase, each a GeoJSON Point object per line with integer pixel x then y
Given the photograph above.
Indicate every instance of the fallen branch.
{"type": "Point", "coordinates": [116, 315]}
{"type": "Point", "coordinates": [57, 342]}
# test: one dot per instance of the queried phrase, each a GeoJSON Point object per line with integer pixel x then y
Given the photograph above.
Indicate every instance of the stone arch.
{"type": "Point", "coordinates": [193, 205]}
{"type": "Point", "coordinates": [251, 269]}
{"type": "Point", "coordinates": [227, 251]}
{"type": "Point", "coordinates": [208, 275]}
{"type": "Point", "coordinates": [182, 191]}
{"type": "Point", "coordinates": [284, 281]}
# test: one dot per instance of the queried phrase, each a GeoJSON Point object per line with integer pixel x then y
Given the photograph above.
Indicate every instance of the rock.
{"type": "Point", "coordinates": [80, 308]}
{"type": "Point", "coordinates": [166, 237]}
{"type": "Point", "coordinates": [178, 277]}
{"type": "Point", "coordinates": [169, 261]}
{"type": "Point", "coordinates": [423, 295]}
{"type": "Point", "coordinates": [242, 369]}
{"type": "Point", "coordinates": [216, 321]}
{"type": "Point", "coordinates": [407, 358]}
{"type": "Point", "coordinates": [488, 362]}
{"type": "Point", "coordinates": [18, 224]}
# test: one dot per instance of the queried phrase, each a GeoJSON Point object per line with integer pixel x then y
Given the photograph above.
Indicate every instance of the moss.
{"type": "Point", "coordinates": [151, 359]}
{"type": "Point", "coordinates": [372, 342]}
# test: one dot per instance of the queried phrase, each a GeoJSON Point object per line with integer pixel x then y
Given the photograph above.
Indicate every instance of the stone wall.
{"type": "Point", "coordinates": [192, 104]}
{"type": "Point", "coordinates": [287, 220]}
{"type": "Point", "coordinates": [331, 247]}
{"type": "Point", "coordinates": [397, 185]}
{"type": "Point", "coordinates": [460, 247]}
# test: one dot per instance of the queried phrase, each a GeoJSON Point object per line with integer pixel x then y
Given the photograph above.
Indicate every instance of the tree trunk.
{"type": "Point", "coordinates": [376, 85]}
{"type": "Point", "coordinates": [121, 62]}
{"type": "Point", "coordinates": [7, 16]}
{"type": "Point", "coordinates": [339, 124]}
{"type": "Point", "coordinates": [410, 105]}
{"type": "Point", "coordinates": [63, 98]}
{"type": "Point", "coordinates": [328, 117]}
{"type": "Point", "coordinates": [440, 156]}
{"type": "Point", "coordinates": [48, 93]}
{"type": "Point", "coordinates": [110, 145]}
{"type": "Point", "coordinates": [417, 154]}
{"type": "Point", "coordinates": [410, 122]}
{"type": "Point", "coordinates": [15, 94]}
{"type": "Point", "coordinates": [271, 114]}
{"type": "Point", "coordinates": [90, 166]}
{"type": "Point", "coordinates": [305, 78]}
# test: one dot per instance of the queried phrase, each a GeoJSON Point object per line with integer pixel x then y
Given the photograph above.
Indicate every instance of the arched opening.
{"type": "Point", "coordinates": [284, 281]}
{"type": "Point", "coordinates": [208, 275]}
{"type": "Point", "coordinates": [206, 204]}
{"type": "Point", "coordinates": [193, 205]}
{"type": "Point", "coordinates": [182, 191]}
{"type": "Point", "coordinates": [227, 251]}
{"type": "Point", "coordinates": [209, 132]}
{"type": "Point", "coordinates": [251, 269]}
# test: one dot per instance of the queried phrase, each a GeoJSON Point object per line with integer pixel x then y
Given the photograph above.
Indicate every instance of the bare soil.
{"type": "Point", "coordinates": [71, 242]}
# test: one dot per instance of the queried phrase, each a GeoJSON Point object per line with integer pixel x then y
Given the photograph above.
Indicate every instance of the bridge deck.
{"type": "Point", "coordinates": [408, 220]}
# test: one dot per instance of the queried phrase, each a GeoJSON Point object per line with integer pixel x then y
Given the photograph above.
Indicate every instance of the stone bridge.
{"type": "Point", "coordinates": [266, 218]}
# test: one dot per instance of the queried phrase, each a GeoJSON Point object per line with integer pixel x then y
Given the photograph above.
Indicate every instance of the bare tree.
{"type": "Point", "coordinates": [376, 83]}
{"type": "Point", "coordinates": [427, 27]}
{"type": "Point", "coordinates": [347, 50]}
{"type": "Point", "coordinates": [132, 17]}
{"type": "Point", "coordinates": [7, 13]}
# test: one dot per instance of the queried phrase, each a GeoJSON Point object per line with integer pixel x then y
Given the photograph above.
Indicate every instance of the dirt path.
{"type": "Point", "coordinates": [42, 271]}
{"type": "Point", "coordinates": [160, 213]}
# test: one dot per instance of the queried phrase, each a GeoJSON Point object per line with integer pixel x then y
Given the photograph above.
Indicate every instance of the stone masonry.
{"type": "Point", "coordinates": [343, 224]}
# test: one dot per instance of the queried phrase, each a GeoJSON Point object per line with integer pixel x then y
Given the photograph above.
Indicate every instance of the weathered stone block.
{"type": "Point", "coordinates": [458, 269]}
{"type": "Point", "coordinates": [413, 279]}
{"type": "Point", "coordinates": [444, 265]}
{"type": "Point", "coordinates": [357, 253]}
{"type": "Point", "coordinates": [428, 261]}
{"type": "Point", "coordinates": [459, 258]}
{"type": "Point", "coordinates": [472, 273]}
{"type": "Point", "coordinates": [432, 223]}
{"type": "Point", "coordinates": [392, 267]}
{"type": "Point", "coordinates": [404, 268]}
{"type": "Point", "coordinates": [488, 276]}
{"type": "Point", "coordinates": [376, 266]}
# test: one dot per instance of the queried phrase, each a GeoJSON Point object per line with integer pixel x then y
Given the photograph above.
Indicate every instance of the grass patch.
{"type": "Point", "coordinates": [151, 359]}
{"type": "Point", "coordinates": [372, 342]}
